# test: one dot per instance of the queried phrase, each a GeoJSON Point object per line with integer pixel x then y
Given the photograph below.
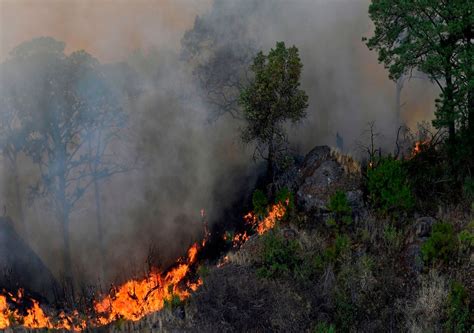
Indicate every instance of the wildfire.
{"type": "Point", "coordinates": [35, 316]}
{"type": "Point", "coordinates": [239, 239]}
{"type": "Point", "coordinates": [131, 301]}
{"type": "Point", "coordinates": [419, 146]}
{"type": "Point", "coordinates": [275, 213]}
{"type": "Point", "coordinates": [137, 298]}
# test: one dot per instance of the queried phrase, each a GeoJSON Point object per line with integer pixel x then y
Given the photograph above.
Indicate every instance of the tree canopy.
{"type": "Point", "coordinates": [65, 115]}
{"type": "Point", "coordinates": [272, 98]}
{"type": "Point", "coordinates": [435, 37]}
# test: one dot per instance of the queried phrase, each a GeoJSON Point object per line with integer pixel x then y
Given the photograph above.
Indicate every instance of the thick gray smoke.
{"type": "Point", "coordinates": [186, 162]}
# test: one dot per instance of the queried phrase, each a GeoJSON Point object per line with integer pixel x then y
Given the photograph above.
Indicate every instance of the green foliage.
{"type": "Point", "coordinates": [284, 195]}
{"type": "Point", "coordinates": [324, 327]}
{"type": "Point", "coordinates": [388, 187]}
{"type": "Point", "coordinates": [468, 188]}
{"type": "Point", "coordinates": [458, 310]}
{"type": "Point", "coordinates": [441, 244]}
{"type": "Point", "coordinates": [333, 253]}
{"type": "Point", "coordinates": [260, 203]}
{"type": "Point", "coordinates": [172, 302]}
{"type": "Point", "coordinates": [392, 237]}
{"type": "Point", "coordinates": [345, 311]}
{"type": "Point", "coordinates": [279, 255]}
{"type": "Point", "coordinates": [466, 240]}
{"type": "Point", "coordinates": [203, 271]}
{"type": "Point", "coordinates": [435, 38]}
{"type": "Point", "coordinates": [338, 203]}
{"type": "Point", "coordinates": [271, 99]}
{"type": "Point", "coordinates": [339, 207]}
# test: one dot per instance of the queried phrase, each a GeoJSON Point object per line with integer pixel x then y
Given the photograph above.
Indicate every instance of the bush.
{"type": "Point", "coordinates": [279, 255]}
{"type": "Point", "coordinates": [466, 240]}
{"type": "Point", "coordinates": [441, 244]}
{"type": "Point", "coordinates": [284, 195]}
{"type": "Point", "coordinates": [388, 187]}
{"type": "Point", "coordinates": [172, 302]}
{"type": "Point", "coordinates": [324, 328]}
{"type": "Point", "coordinates": [333, 253]}
{"type": "Point", "coordinates": [458, 310]}
{"type": "Point", "coordinates": [468, 188]}
{"type": "Point", "coordinates": [341, 210]}
{"type": "Point", "coordinates": [260, 203]}
{"type": "Point", "coordinates": [392, 237]}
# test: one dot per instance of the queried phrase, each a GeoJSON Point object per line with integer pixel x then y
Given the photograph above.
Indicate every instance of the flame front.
{"type": "Point", "coordinates": [137, 298]}
{"type": "Point", "coordinates": [275, 213]}
{"type": "Point", "coordinates": [35, 316]}
{"type": "Point", "coordinates": [131, 301]}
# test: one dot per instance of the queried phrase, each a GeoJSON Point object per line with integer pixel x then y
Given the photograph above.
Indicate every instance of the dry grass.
{"type": "Point", "coordinates": [425, 313]}
{"type": "Point", "coordinates": [350, 165]}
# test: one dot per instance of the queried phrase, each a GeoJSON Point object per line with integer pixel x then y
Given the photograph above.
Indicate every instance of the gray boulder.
{"type": "Point", "coordinates": [20, 266]}
{"type": "Point", "coordinates": [323, 172]}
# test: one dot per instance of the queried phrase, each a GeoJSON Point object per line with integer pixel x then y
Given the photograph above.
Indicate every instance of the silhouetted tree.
{"type": "Point", "coordinates": [220, 52]}
{"type": "Point", "coordinates": [271, 99]}
{"type": "Point", "coordinates": [11, 140]}
{"type": "Point", "coordinates": [436, 38]}
{"type": "Point", "coordinates": [69, 116]}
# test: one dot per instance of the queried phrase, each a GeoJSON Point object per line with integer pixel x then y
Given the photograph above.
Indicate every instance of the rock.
{"type": "Point", "coordinates": [21, 267]}
{"type": "Point", "coordinates": [322, 173]}
{"type": "Point", "coordinates": [423, 226]}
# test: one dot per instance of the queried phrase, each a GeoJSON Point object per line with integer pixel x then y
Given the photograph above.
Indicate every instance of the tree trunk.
{"type": "Point", "coordinates": [100, 230]}
{"type": "Point", "coordinates": [19, 201]}
{"type": "Point", "coordinates": [398, 96]}
{"type": "Point", "coordinates": [270, 161]}
{"type": "Point", "coordinates": [449, 107]}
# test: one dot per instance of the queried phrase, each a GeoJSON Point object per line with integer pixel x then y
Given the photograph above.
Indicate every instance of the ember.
{"type": "Point", "coordinates": [420, 146]}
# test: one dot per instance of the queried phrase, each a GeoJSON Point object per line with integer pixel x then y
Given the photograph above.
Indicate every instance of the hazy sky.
{"type": "Point", "coordinates": [108, 29]}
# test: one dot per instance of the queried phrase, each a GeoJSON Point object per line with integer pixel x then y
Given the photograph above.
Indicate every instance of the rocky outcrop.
{"type": "Point", "coordinates": [20, 266]}
{"type": "Point", "coordinates": [323, 172]}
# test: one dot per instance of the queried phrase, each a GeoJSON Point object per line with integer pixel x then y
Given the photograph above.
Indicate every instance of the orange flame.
{"type": "Point", "coordinates": [35, 316]}
{"type": "Point", "coordinates": [137, 298]}
{"type": "Point", "coordinates": [419, 146]}
{"type": "Point", "coordinates": [275, 213]}
{"type": "Point", "coordinates": [131, 301]}
{"type": "Point", "coordinates": [239, 239]}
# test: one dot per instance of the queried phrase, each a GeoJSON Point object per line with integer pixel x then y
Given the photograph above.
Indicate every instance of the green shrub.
{"type": "Point", "coordinates": [468, 188]}
{"type": "Point", "coordinates": [333, 253]}
{"type": "Point", "coordinates": [172, 302]}
{"type": "Point", "coordinates": [279, 255]}
{"type": "Point", "coordinates": [284, 195]}
{"type": "Point", "coordinates": [392, 237]}
{"type": "Point", "coordinates": [338, 203]}
{"type": "Point", "coordinates": [346, 311]}
{"type": "Point", "coordinates": [339, 207]}
{"type": "Point", "coordinates": [324, 327]}
{"type": "Point", "coordinates": [260, 203]}
{"type": "Point", "coordinates": [388, 187]}
{"type": "Point", "coordinates": [466, 240]}
{"type": "Point", "coordinates": [458, 310]}
{"type": "Point", "coordinates": [203, 271]}
{"type": "Point", "coordinates": [441, 244]}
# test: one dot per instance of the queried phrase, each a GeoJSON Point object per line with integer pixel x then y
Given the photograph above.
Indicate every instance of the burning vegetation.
{"type": "Point", "coordinates": [135, 298]}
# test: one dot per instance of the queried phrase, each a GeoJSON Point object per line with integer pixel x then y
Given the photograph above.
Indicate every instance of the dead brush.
{"type": "Point", "coordinates": [425, 312]}
{"type": "Point", "coordinates": [349, 164]}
